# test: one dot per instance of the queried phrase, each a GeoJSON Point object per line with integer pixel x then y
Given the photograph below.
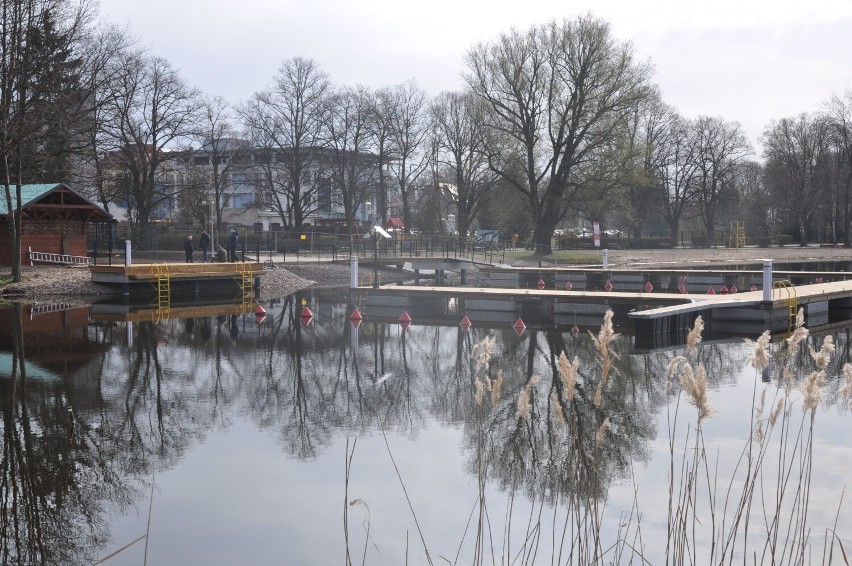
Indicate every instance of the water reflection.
{"type": "Point", "coordinates": [127, 396]}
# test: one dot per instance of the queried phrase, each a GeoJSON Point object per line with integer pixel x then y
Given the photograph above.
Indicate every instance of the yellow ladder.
{"type": "Point", "coordinates": [164, 291]}
{"type": "Point", "coordinates": [737, 237]}
{"type": "Point", "coordinates": [246, 282]}
{"type": "Point", "coordinates": [791, 300]}
{"type": "Point", "coordinates": [368, 279]}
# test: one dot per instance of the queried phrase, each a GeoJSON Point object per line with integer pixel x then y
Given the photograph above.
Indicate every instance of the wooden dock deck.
{"type": "Point", "coordinates": [660, 319]}
{"type": "Point", "coordinates": [183, 278]}
{"type": "Point", "coordinates": [145, 272]}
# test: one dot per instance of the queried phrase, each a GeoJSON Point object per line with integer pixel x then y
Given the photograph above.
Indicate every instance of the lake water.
{"type": "Point", "coordinates": [226, 441]}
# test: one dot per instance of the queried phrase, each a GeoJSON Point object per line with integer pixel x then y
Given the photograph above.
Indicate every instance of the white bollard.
{"type": "Point", "coordinates": [606, 258]}
{"type": "Point", "coordinates": [127, 252]}
{"type": "Point", "coordinates": [353, 272]}
{"type": "Point", "coordinates": [767, 280]}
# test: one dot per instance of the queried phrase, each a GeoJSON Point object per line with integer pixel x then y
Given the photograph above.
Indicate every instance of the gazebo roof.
{"type": "Point", "coordinates": [32, 194]}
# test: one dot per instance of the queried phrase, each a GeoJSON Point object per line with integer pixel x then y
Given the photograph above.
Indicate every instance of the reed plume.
{"type": "Point", "coordinates": [811, 390]}
{"type": "Point", "coordinates": [822, 357]}
{"type": "Point", "coordinates": [568, 372]}
{"type": "Point", "coordinates": [800, 333]}
{"type": "Point", "coordinates": [481, 352]}
{"type": "Point", "coordinates": [496, 385]}
{"type": "Point", "coordinates": [845, 391]}
{"type": "Point", "coordinates": [695, 385]}
{"type": "Point", "coordinates": [773, 416]}
{"type": "Point", "coordinates": [693, 339]}
{"type": "Point", "coordinates": [759, 358]}
{"type": "Point", "coordinates": [675, 364]}
{"type": "Point", "coordinates": [524, 398]}
{"type": "Point", "coordinates": [479, 391]}
{"type": "Point", "coordinates": [604, 355]}
{"type": "Point", "coordinates": [601, 432]}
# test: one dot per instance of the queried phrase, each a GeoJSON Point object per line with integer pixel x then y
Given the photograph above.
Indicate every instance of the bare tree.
{"type": "Point", "coordinates": [409, 141]}
{"type": "Point", "coordinates": [720, 147]}
{"type": "Point", "coordinates": [381, 134]}
{"type": "Point", "coordinates": [650, 127]}
{"type": "Point", "coordinates": [284, 123]}
{"type": "Point", "coordinates": [556, 94]}
{"type": "Point", "coordinates": [42, 98]}
{"type": "Point", "coordinates": [153, 115]}
{"type": "Point", "coordinates": [840, 115]}
{"type": "Point", "coordinates": [674, 159]}
{"type": "Point", "coordinates": [105, 50]}
{"type": "Point", "coordinates": [458, 123]}
{"type": "Point", "coordinates": [353, 169]}
{"type": "Point", "coordinates": [221, 154]}
{"type": "Point", "coordinates": [798, 156]}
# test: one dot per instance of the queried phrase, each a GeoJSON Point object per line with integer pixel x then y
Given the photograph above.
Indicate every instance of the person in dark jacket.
{"type": "Point", "coordinates": [204, 241]}
{"type": "Point", "coordinates": [187, 247]}
{"type": "Point", "coordinates": [233, 242]}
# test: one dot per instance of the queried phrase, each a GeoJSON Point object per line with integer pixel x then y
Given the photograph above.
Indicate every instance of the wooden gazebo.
{"type": "Point", "coordinates": [55, 221]}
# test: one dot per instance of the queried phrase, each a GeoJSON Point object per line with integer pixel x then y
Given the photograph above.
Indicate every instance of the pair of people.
{"type": "Point", "coordinates": [204, 241]}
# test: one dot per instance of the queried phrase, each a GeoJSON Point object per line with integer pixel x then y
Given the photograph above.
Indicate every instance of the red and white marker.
{"type": "Point", "coordinates": [648, 287]}
{"type": "Point", "coordinates": [608, 286]}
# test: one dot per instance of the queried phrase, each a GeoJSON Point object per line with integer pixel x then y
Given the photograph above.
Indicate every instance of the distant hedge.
{"type": "Point", "coordinates": [569, 243]}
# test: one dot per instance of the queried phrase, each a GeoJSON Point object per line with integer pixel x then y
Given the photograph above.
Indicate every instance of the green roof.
{"type": "Point", "coordinates": [29, 193]}
{"type": "Point", "coordinates": [33, 370]}
{"type": "Point", "coordinates": [34, 192]}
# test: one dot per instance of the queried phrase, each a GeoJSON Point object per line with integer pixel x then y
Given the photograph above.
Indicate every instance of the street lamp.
{"type": "Point", "coordinates": [375, 233]}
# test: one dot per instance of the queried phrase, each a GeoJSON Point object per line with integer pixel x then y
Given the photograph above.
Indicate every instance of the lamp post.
{"type": "Point", "coordinates": [375, 259]}
{"type": "Point", "coordinates": [375, 233]}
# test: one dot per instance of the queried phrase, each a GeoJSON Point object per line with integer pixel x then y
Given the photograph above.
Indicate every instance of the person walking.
{"type": "Point", "coordinates": [187, 247]}
{"type": "Point", "coordinates": [204, 240]}
{"type": "Point", "coordinates": [233, 241]}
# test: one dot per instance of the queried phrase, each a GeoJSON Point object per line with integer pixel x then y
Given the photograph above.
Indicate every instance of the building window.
{"type": "Point", "coordinates": [241, 200]}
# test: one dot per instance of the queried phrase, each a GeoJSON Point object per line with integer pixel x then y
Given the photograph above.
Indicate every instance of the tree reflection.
{"type": "Point", "coordinates": [162, 386]}
{"type": "Point", "coordinates": [55, 481]}
{"type": "Point", "coordinates": [539, 452]}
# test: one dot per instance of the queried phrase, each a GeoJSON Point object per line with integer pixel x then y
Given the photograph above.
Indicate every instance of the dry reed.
{"type": "Point", "coordinates": [800, 333]}
{"type": "Point", "coordinates": [603, 353]}
{"type": "Point", "coordinates": [496, 385]}
{"type": "Point", "coordinates": [759, 358]}
{"type": "Point", "coordinates": [845, 391]}
{"type": "Point", "coordinates": [568, 372]}
{"type": "Point", "coordinates": [524, 405]}
{"type": "Point", "coordinates": [693, 339]}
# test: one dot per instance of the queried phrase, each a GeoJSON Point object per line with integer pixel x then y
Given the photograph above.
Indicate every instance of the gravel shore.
{"type": "Point", "coordinates": [74, 283]}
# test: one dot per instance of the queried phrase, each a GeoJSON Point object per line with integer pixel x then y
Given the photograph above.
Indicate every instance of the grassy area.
{"type": "Point", "coordinates": [560, 256]}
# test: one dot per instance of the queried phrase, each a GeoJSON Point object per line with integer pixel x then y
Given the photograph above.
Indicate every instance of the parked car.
{"type": "Point", "coordinates": [613, 232]}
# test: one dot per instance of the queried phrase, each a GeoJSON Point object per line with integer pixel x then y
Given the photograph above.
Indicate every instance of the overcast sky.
{"type": "Point", "coordinates": [745, 60]}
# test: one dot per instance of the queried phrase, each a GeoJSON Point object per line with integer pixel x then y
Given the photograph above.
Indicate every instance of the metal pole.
{"type": "Point", "coordinates": [767, 280]}
{"type": "Point", "coordinates": [376, 261]}
{"type": "Point", "coordinates": [353, 272]}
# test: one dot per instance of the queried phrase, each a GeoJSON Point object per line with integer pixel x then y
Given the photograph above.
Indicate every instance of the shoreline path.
{"type": "Point", "coordinates": [74, 283]}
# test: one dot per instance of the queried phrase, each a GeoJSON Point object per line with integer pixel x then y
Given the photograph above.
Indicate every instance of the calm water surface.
{"type": "Point", "coordinates": [233, 442]}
